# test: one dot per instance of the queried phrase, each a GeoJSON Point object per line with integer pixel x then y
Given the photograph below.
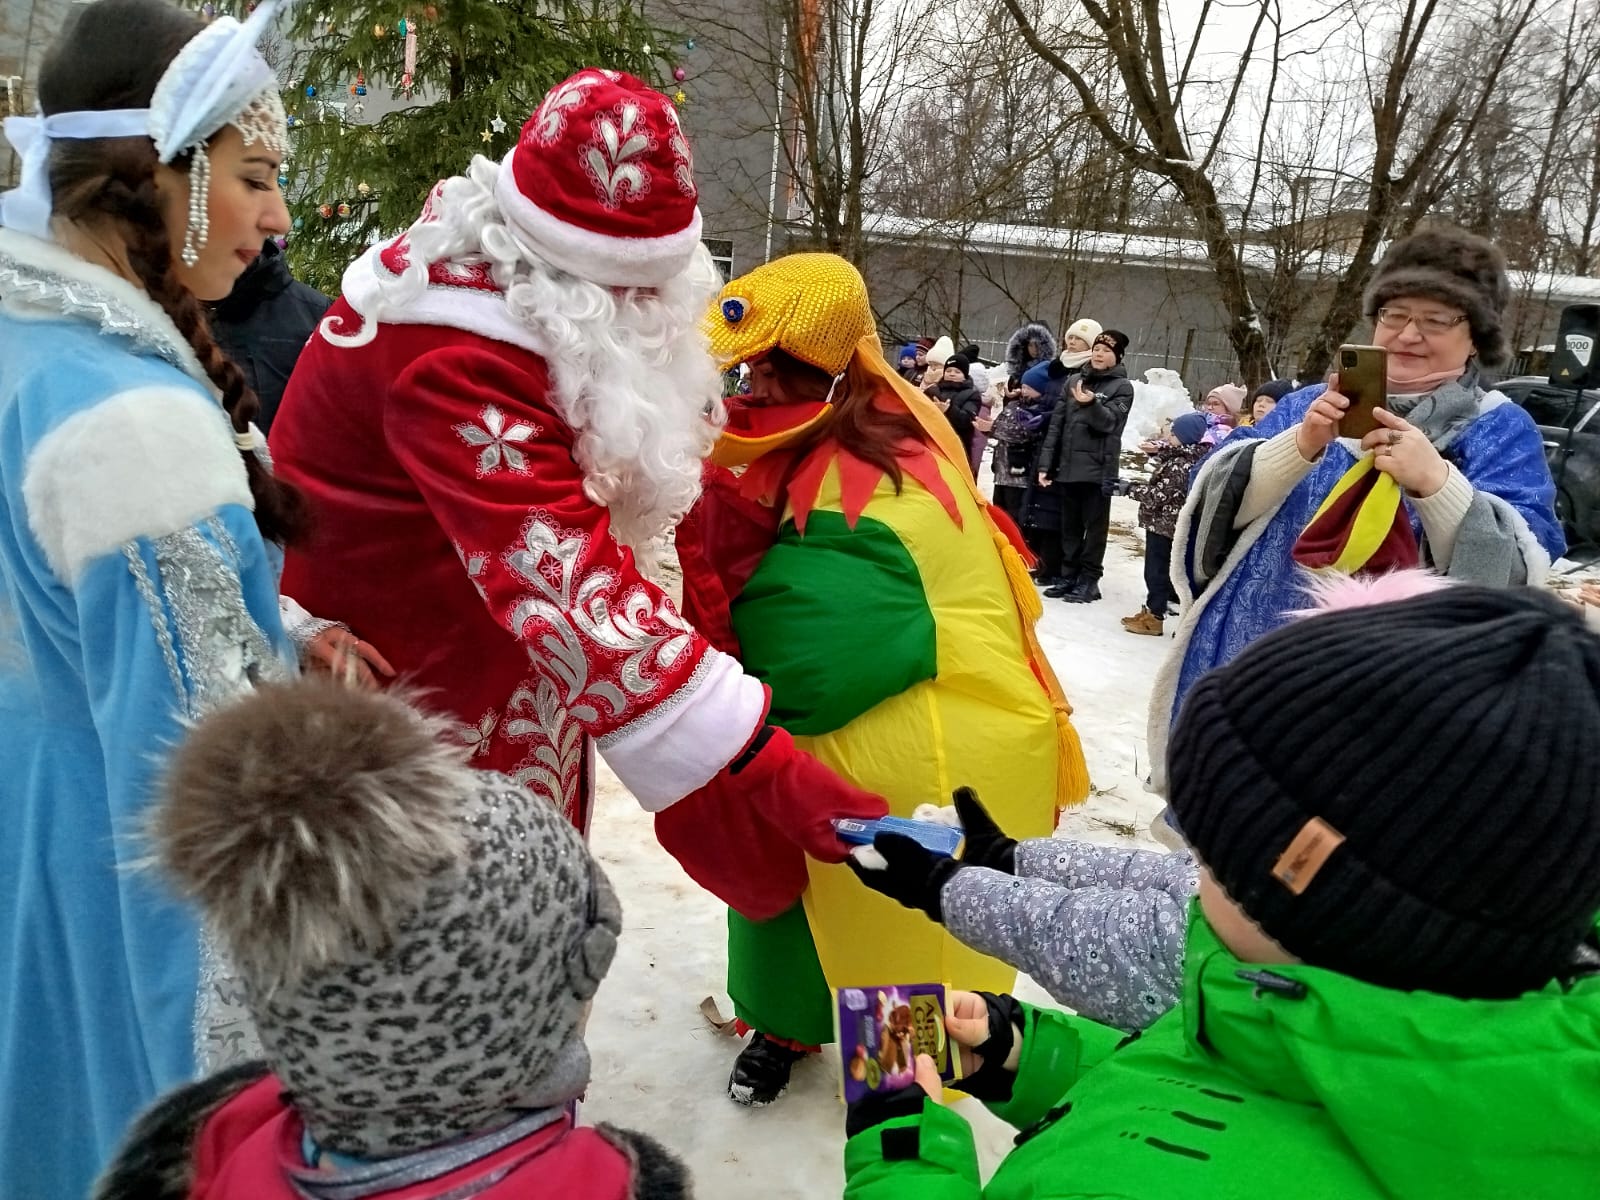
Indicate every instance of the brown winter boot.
{"type": "Point", "coordinates": [1146, 622]}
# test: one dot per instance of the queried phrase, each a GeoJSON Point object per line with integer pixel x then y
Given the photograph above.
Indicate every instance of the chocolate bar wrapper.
{"type": "Point", "coordinates": [881, 1030]}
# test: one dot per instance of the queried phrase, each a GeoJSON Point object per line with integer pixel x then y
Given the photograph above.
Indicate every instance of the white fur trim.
{"type": "Point", "coordinates": [134, 302]}
{"type": "Point", "coordinates": [692, 737]}
{"type": "Point", "coordinates": [483, 313]}
{"type": "Point", "coordinates": [597, 257]}
{"type": "Point", "coordinates": [144, 463]}
{"type": "Point", "coordinates": [1164, 688]}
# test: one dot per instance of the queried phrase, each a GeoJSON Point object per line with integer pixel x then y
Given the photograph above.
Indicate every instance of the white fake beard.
{"type": "Point", "coordinates": [630, 370]}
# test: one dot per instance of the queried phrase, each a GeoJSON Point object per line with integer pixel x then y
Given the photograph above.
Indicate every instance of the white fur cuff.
{"type": "Point", "coordinates": [690, 736]}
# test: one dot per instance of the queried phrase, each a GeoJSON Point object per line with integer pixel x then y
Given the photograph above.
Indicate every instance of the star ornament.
{"type": "Point", "coordinates": [498, 124]}
{"type": "Point", "coordinates": [486, 135]}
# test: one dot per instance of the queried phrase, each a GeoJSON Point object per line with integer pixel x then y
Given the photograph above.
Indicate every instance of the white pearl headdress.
{"type": "Point", "coordinates": [219, 78]}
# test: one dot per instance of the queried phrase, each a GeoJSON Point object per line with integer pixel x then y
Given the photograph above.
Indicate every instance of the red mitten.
{"type": "Point", "coordinates": [744, 835]}
{"type": "Point", "coordinates": [798, 794]}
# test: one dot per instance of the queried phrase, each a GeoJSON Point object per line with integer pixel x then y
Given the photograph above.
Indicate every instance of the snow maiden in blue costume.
{"type": "Point", "coordinates": [1477, 498]}
{"type": "Point", "coordinates": [139, 582]}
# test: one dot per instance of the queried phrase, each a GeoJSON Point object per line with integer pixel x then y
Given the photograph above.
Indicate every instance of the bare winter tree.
{"type": "Point", "coordinates": [1422, 113]}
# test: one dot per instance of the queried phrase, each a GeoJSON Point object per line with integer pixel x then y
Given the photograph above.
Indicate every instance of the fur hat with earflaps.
{"type": "Point", "coordinates": [1453, 267]}
{"type": "Point", "coordinates": [417, 940]}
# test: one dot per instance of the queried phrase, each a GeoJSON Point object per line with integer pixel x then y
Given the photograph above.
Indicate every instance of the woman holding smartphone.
{"type": "Point", "coordinates": [1462, 466]}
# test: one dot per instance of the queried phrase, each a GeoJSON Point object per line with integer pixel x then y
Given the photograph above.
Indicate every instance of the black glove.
{"type": "Point", "coordinates": [986, 845]}
{"type": "Point", "coordinates": [915, 875]}
{"type": "Point", "coordinates": [991, 1082]}
{"type": "Point", "coordinates": [1110, 487]}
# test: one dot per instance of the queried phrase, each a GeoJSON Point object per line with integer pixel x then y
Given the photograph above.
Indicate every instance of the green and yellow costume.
{"type": "Point", "coordinates": [895, 630]}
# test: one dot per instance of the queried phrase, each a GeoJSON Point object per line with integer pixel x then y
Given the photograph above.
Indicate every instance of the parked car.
{"type": "Point", "coordinates": [1570, 423]}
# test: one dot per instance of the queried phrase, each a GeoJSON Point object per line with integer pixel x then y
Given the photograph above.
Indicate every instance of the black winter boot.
{"type": "Point", "coordinates": [1061, 587]}
{"type": "Point", "coordinates": [761, 1072]}
{"type": "Point", "coordinates": [1085, 591]}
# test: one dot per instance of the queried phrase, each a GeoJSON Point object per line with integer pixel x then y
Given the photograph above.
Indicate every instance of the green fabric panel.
{"type": "Point", "coordinates": [946, 1167]}
{"type": "Point", "coordinates": [776, 980]}
{"type": "Point", "coordinates": [835, 622]}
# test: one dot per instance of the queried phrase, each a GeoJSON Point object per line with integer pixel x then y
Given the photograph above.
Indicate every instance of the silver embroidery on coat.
{"type": "Point", "coordinates": [548, 562]}
{"type": "Point", "coordinates": [551, 769]}
{"type": "Point", "coordinates": [224, 1032]}
{"type": "Point", "coordinates": [225, 651]}
{"type": "Point", "coordinates": [40, 287]}
{"type": "Point", "coordinates": [158, 619]}
{"type": "Point", "coordinates": [221, 644]}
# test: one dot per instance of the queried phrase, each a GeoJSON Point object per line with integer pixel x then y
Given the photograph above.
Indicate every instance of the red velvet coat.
{"type": "Point", "coordinates": [453, 533]}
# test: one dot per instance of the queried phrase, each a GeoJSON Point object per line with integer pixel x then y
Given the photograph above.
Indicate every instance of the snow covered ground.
{"type": "Point", "coordinates": [661, 1068]}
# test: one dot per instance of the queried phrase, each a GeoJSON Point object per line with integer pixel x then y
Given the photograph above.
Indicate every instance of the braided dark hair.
{"type": "Point", "coordinates": [111, 56]}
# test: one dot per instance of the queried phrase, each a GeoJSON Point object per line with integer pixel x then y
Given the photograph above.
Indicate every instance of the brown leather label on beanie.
{"type": "Point", "coordinates": [1298, 865]}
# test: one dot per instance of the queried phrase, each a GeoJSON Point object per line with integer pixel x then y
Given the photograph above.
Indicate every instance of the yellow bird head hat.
{"type": "Point", "coordinates": [813, 306]}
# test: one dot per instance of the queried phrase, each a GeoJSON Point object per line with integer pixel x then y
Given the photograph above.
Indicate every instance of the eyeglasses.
{"type": "Point", "coordinates": [1428, 325]}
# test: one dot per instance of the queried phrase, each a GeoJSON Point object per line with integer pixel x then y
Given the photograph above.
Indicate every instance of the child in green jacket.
{"type": "Point", "coordinates": [1391, 985]}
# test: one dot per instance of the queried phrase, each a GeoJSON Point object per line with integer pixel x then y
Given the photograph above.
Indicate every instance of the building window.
{"type": "Point", "coordinates": [722, 255]}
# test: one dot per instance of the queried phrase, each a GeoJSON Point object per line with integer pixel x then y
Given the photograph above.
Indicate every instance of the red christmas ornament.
{"type": "Point", "coordinates": [325, 211]}
{"type": "Point", "coordinates": [344, 210]}
{"type": "Point", "coordinates": [679, 74]}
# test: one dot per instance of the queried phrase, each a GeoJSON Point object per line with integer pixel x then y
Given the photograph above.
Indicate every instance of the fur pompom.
{"type": "Point", "coordinates": [1334, 590]}
{"type": "Point", "coordinates": [307, 820]}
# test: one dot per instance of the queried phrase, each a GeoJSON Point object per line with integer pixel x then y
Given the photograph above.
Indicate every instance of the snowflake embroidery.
{"type": "Point", "coordinates": [494, 441]}
{"type": "Point", "coordinates": [609, 157]}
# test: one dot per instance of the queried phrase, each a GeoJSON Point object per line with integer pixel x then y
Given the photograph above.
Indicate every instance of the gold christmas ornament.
{"type": "Point", "coordinates": [813, 306]}
{"type": "Point", "coordinates": [363, 188]}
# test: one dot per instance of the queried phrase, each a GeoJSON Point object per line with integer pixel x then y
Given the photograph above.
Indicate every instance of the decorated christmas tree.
{"type": "Point", "coordinates": [386, 97]}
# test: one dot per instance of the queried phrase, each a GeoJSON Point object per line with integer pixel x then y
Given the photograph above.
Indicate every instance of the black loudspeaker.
{"type": "Point", "coordinates": [1576, 362]}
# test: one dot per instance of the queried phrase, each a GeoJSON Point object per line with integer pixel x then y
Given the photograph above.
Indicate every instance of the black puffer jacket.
{"type": "Point", "coordinates": [1084, 441]}
{"type": "Point", "coordinates": [965, 403]}
{"type": "Point", "coordinates": [264, 324]}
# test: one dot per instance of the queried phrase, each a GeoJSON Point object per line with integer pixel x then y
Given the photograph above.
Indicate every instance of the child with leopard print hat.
{"type": "Point", "coordinates": [419, 943]}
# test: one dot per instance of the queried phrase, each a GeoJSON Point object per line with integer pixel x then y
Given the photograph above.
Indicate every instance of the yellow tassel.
{"type": "Point", "coordinates": [1072, 772]}
{"type": "Point", "coordinates": [1022, 588]}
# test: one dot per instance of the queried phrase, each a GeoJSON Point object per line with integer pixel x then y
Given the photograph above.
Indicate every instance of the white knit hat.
{"type": "Point", "coordinates": [941, 351]}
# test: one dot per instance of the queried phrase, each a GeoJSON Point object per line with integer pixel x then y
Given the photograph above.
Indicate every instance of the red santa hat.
{"type": "Point", "coordinates": [601, 182]}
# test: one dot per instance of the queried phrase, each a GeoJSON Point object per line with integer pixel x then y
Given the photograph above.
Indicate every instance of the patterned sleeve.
{"type": "Point", "coordinates": [1102, 931]}
{"type": "Point", "coordinates": [498, 473]}
{"type": "Point", "coordinates": [176, 611]}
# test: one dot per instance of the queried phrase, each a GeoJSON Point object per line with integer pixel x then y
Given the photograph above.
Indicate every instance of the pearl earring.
{"type": "Point", "coordinates": [199, 224]}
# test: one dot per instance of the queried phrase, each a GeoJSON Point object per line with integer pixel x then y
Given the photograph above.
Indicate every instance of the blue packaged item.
{"type": "Point", "coordinates": [941, 839]}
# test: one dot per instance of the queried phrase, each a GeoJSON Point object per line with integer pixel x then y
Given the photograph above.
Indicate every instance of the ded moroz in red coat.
{"type": "Point", "coordinates": [453, 533]}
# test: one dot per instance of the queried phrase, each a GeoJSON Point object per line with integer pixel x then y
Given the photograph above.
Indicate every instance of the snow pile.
{"type": "Point", "coordinates": [1158, 399]}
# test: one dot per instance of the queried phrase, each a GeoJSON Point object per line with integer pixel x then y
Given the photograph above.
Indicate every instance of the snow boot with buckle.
{"type": "Point", "coordinates": [1145, 622]}
{"type": "Point", "coordinates": [761, 1072]}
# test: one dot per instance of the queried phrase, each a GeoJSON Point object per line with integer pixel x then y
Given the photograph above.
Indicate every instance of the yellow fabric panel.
{"type": "Point", "coordinates": [984, 722]}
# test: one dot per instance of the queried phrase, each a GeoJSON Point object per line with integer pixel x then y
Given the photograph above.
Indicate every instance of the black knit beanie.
{"type": "Point", "coordinates": [1415, 798]}
{"type": "Point", "coordinates": [1116, 339]}
{"type": "Point", "coordinates": [1453, 267]}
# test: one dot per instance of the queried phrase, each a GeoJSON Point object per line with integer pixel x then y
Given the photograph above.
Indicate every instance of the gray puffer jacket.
{"type": "Point", "coordinates": [1084, 441]}
{"type": "Point", "coordinates": [1101, 928]}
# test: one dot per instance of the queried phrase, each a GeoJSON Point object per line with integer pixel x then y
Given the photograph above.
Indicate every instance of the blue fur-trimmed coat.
{"type": "Point", "coordinates": [135, 593]}
{"type": "Point", "coordinates": [1501, 454]}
